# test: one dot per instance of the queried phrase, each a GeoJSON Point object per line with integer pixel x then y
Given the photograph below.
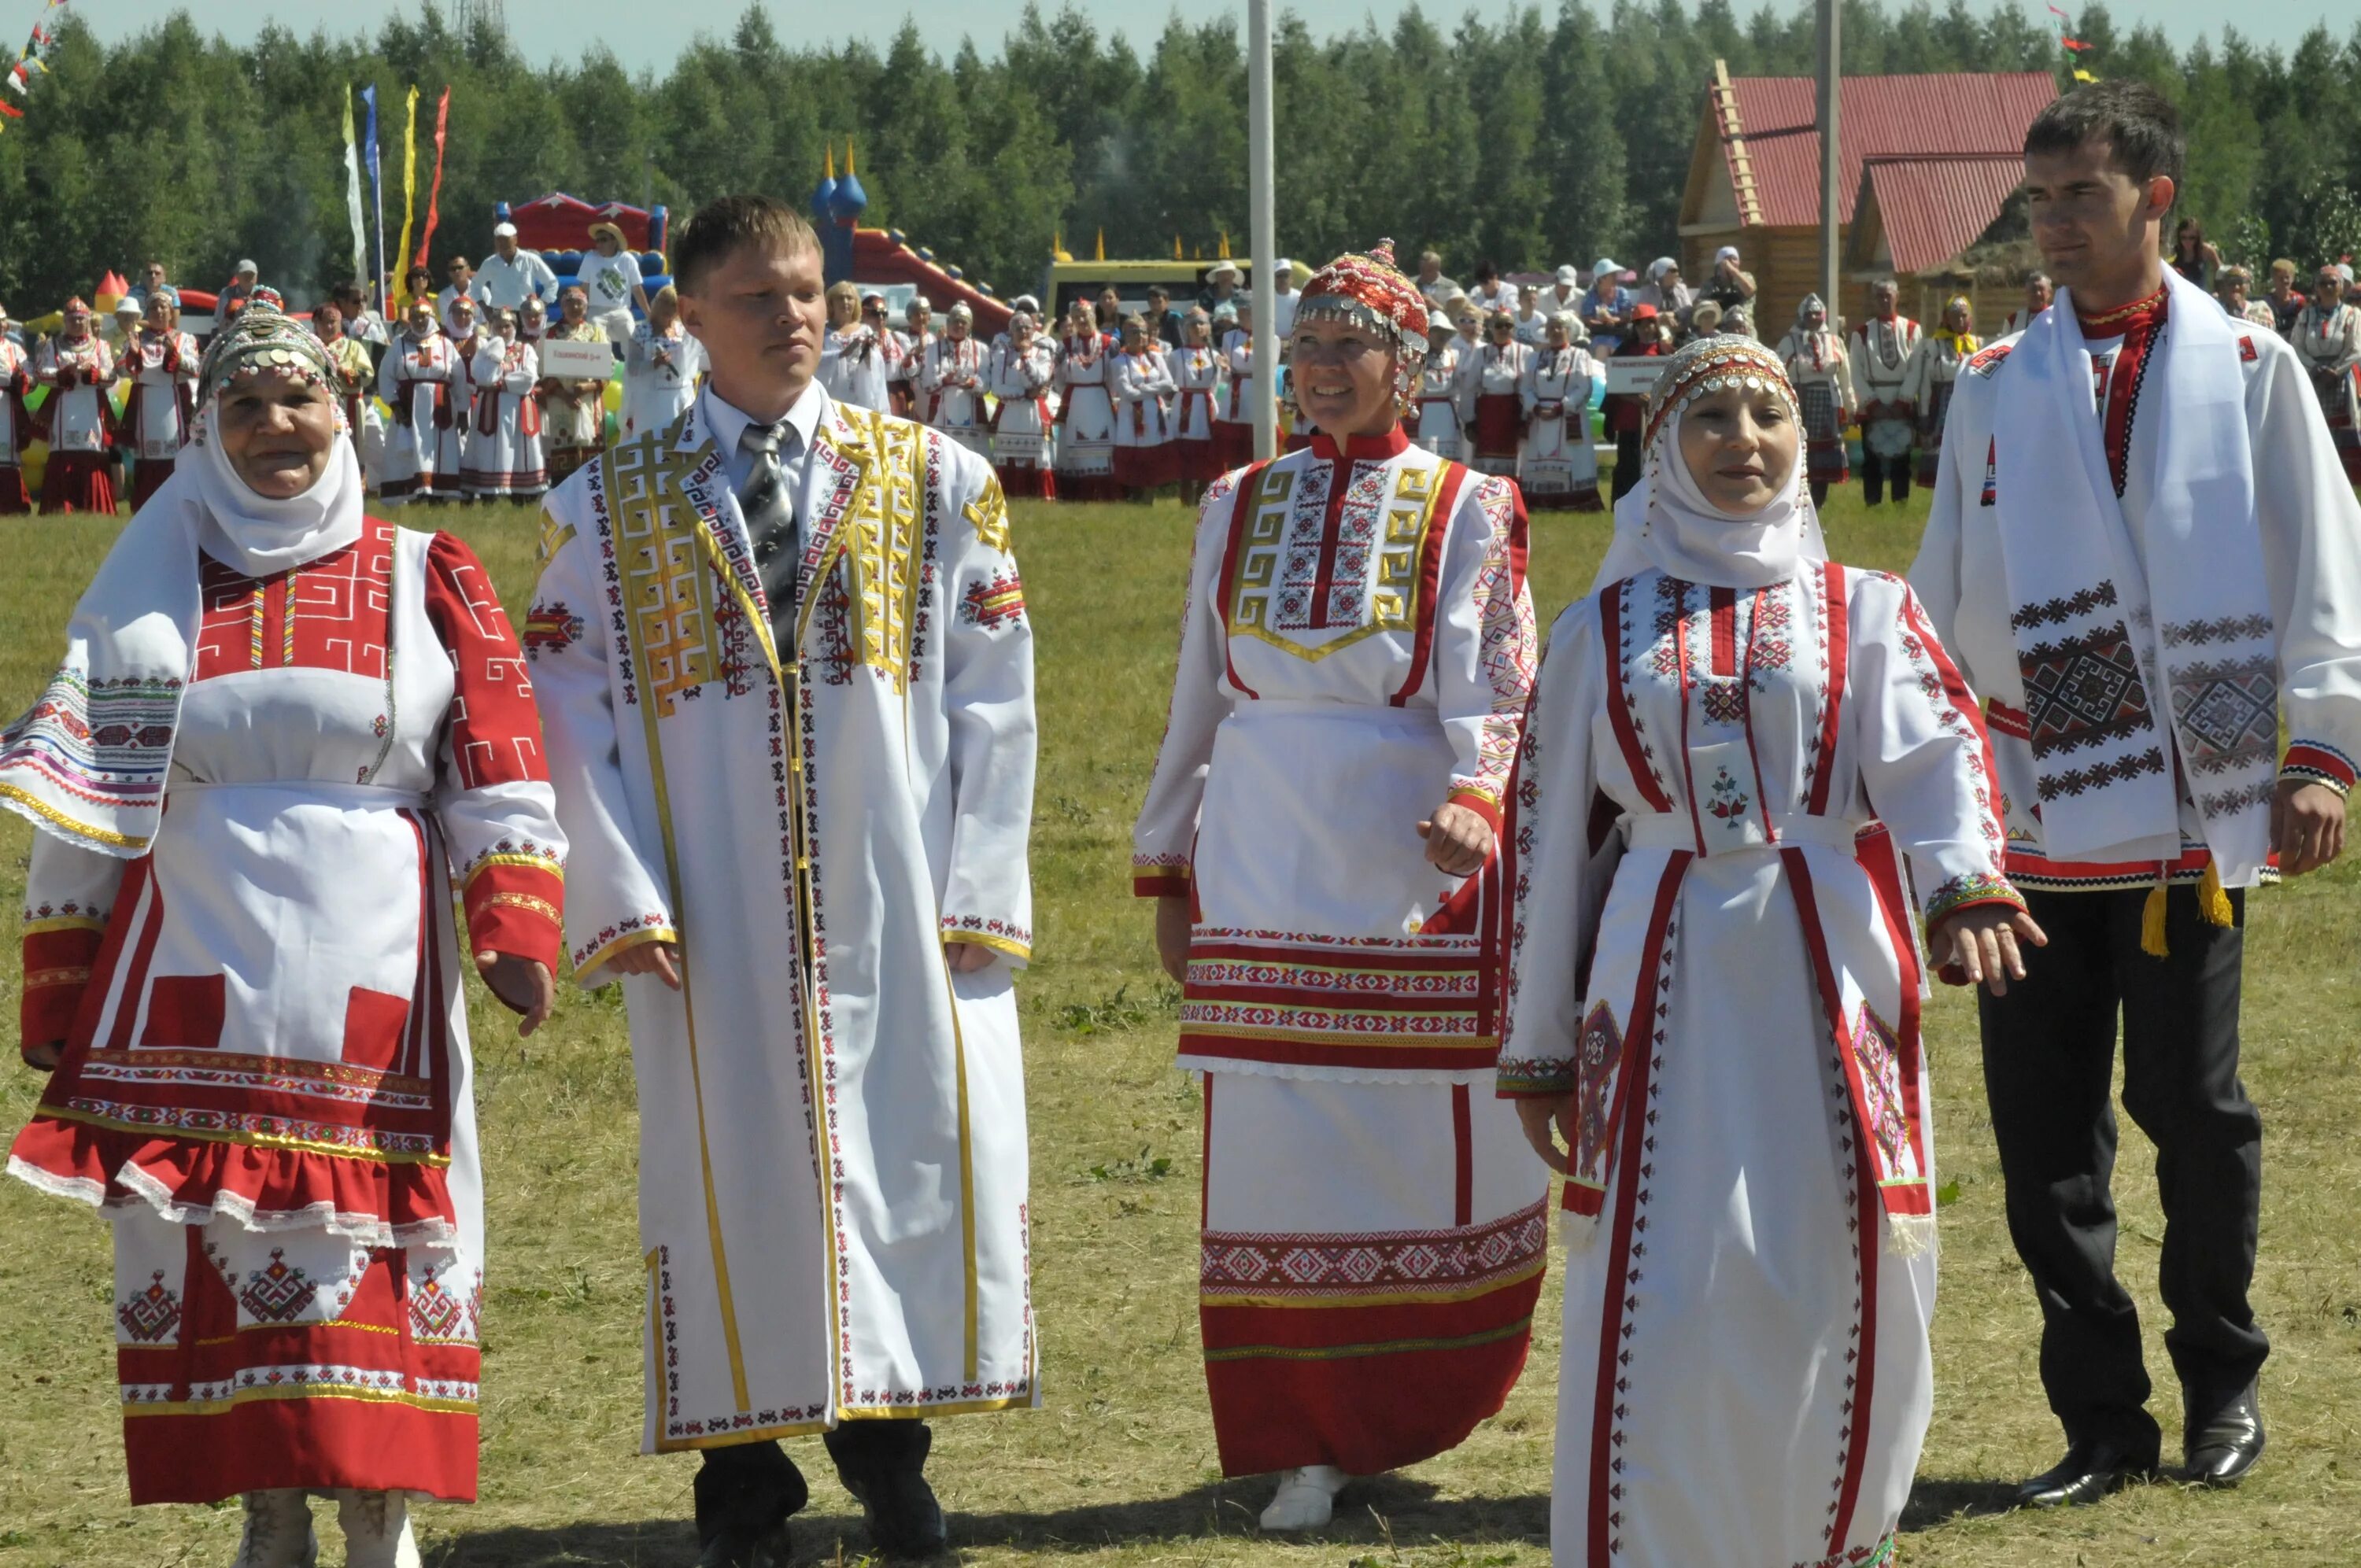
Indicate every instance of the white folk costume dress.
{"type": "Point", "coordinates": [1085, 421]}
{"type": "Point", "coordinates": [2328, 343]}
{"type": "Point", "coordinates": [422, 382]}
{"type": "Point", "coordinates": [1882, 352]}
{"type": "Point", "coordinates": [1144, 454]}
{"type": "Point", "coordinates": [80, 422]}
{"type": "Point", "coordinates": [1821, 374]}
{"type": "Point", "coordinates": [1019, 382]}
{"type": "Point", "coordinates": [660, 371]}
{"type": "Point", "coordinates": [1197, 386]}
{"type": "Point", "coordinates": [854, 366]}
{"type": "Point", "coordinates": [951, 387]}
{"type": "Point", "coordinates": [832, 1152]}
{"type": "Point", "coordinates": [1560, 467]}
{"type": "Point", "coordinates": [1495, 408]}
{"type": "Point", "coordinates": [162, 368]}
{"type": "Point", "coordinates": [1435, 407]}
{"type": "Point", "coordinates": [504, 454]}
{"type": "Point", "coordinates": [2237, 557]}
{"type": "Point", "coordinates": [18, 428]}
{"type": "Point", "coordinates": [572, 427]}
{"type": "Point", "coordinates": [276, 748]}
{"type": "Point", "coordinates": [1715, 958]}
{"type": "Point", "coordinates": [1233, 438]}
{"type": "Point", "coordinates": [901, 382]}
{"type": "Point", "coordinates": [1934, 368]}
{"type": "Point", "coordinates": [1357, 646]}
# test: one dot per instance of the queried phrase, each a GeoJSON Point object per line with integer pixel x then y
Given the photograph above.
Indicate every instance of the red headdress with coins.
{"type": "Point", "coordinates": [1370, 290]}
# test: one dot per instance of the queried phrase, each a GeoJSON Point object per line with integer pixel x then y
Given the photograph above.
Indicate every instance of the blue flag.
{"type": "Point", "coordinates": [376, 188]}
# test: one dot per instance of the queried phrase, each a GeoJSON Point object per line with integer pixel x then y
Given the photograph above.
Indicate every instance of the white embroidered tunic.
{"type": "Point", "coordinates": [422, 382]}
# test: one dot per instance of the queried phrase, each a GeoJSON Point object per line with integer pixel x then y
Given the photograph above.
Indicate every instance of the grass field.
{"type": "Point", "coordinates": [1119, 1470]}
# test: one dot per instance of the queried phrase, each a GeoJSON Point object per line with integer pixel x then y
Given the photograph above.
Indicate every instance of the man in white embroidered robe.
{"type": "Point", "coordinates": [783, 660]}
{"type": "Point", "coordinates": [2140, 584]}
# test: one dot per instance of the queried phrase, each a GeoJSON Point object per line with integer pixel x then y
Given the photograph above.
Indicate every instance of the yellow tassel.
{"type": "Point", "coordinates": [2152, 925]}
{"type": "Point", "coordinates": [2211, 901]}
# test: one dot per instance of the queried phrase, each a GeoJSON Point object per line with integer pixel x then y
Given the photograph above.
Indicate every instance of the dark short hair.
{"type": "Point", "coordinates": [730, 223]}
{"type": "Point", "coordinates": [2140, 124]}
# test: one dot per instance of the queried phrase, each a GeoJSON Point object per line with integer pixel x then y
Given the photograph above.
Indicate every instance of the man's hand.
{"type": "Point", "coordinates": [966, 958]}
{"type": "Point", "coordinates": [1982, 942]}
{"type": "Point", "coordinates": [649, 958]}
{"type": "Point", "coordinates": [1173, 925]}
{"type": "Point", "coordinates": [1537, 1115]}
{"type": "Point", "coordinates": [1456, 839]}
{"type": "Point", "coordinates": [2307, 826]}
{"type": "Point", "coordinates": [524, 986]}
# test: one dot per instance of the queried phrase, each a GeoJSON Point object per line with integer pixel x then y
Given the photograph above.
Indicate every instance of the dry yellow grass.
{"type": "Point", "coordinates": [1118, 1470]}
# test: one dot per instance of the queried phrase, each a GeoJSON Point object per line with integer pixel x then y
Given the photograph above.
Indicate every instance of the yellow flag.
{"type": "Point", "coordinates": [2084, 76]}
{"type": "Point", "coordinates": [1102, 255]}
{"type": "Point", "coordinates": [409, 205]}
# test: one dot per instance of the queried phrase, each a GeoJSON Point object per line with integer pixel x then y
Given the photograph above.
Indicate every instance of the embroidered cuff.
{"type": "Point", "coordinates": [610, 941]}
{"type": "Point", "coordinates": [1481, 802]}
{"type": "Point", "coordinates": [57, 960]}
{"type": "Point", "coordinates": [1973, 888]}
{"type": "Point", "coordinates": [515, 901]}
{"type": "Point", "coordinates": [1527, 1078]}
{"type": "Point", "coordinates": [2319, 762]}
{"type": "Point", "coordinates": [1000, 936]}
{"type": "Point", "coordinates": [1152, 881]}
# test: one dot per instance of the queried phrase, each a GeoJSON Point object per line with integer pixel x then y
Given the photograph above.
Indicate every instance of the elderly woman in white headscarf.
{"type": "Point", "coordinates": [1821, 373]}
{"type": "Point", "coordinates": [1715, 991]}
{"type": "Point", "coordinates": [250, 1014]}
{"type": "Point", "coordinates": [1559, 468]}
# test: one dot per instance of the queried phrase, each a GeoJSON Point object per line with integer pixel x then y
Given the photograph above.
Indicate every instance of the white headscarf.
{"type": "Point", "coordinates": [1665, 522]}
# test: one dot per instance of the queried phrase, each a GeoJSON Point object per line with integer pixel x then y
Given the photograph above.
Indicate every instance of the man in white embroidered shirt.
{"type": "Point", "coordinates": [515, 279]}
{"type": "Point", "coordinates": [786, 677]}
{"type": "Point", "coordinates": [2144, 557]}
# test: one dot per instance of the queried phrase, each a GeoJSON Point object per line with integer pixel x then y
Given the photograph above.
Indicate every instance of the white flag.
{"type": "Point", "coordinates": [353, 193]}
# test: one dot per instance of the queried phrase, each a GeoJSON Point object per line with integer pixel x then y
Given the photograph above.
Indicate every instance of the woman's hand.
{"type": "Point", "coordinates": [1173, 925]}
{"type": "Point", "coordinates": [649, 958]}
{"type": "Point", "coordinates": [966, 958]}
{"type": "Point", "coordinates": [524, 986]}
{"type": "Point", "coordinates": [1982, 943]}
{"type": "Point", "coordinates": [1456, 839]}
{"type": "Point", "coordinates": [1537, 1115]}
{"type": "Point", "coordinates": [45, 1055]}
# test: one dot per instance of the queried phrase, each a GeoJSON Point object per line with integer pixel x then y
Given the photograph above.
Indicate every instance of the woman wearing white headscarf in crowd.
{"type": "Point", "coordinates": [1821, 374]}
{"type": "Point", "coordinates": [1139, 381]}
{"type": "Point", "coordinates": [1234, 414]}
{"type": "Point", "coordinates": [1560, 468]}
{"type": "Point", "coordinates": [77, 368]}
{"type": "Point", "coordinates": [660, 366]}
{"type": "Point", "coordinates": [242, 971]}
{"type": "Point", "coordinates": [951, 384]}
{"type": "Point", "coordinates": [1935, 366]}
{"type": "Point", "coordinates": [504, 455]}
{"type": "Point", "coordinates": [1491, 402]}
{"type": "Point", "coordinates": [1022, 371]}
{"type": "Point", "coordinates": [422, 382]}
{"type": "Point", "coordinates": [1434, 417]}
{"type": "Point", "coordinates": [160, 362]}
{"type": "Point", "coordinates": [1085, 412]}
{"type": "Point", "coordinates": [1666, 291]}
{"type": "Point", "coordinates": [1715, 996]}
{"type": "Point", "coordinates": [1197, 380]}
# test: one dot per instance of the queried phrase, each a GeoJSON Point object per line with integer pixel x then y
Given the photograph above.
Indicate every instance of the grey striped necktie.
{"type": "Point", "coordinates": [771, 527]}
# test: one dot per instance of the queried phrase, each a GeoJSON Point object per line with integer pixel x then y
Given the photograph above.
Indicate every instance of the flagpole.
{"type": "Point", "coordinates": [1263, 248]}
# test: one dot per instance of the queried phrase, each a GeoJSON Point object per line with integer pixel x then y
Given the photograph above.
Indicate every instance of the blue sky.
{"type": "Point", "coordinates": [561, 29]}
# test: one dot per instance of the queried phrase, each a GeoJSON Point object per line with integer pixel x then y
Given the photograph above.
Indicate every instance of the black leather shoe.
{"type": "Point", "coordinates": [732, 1548]}
{"type": "Point", "coordinates": [2220, 1450]}
{"type": "Point", "coordinates": [882, 1465]}
{"type": "Point", "coordinates": [2090, 1471]}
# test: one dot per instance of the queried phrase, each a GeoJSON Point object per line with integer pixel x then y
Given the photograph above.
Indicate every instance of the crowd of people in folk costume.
{"type": "Point", "coordinates": [1658, 913]}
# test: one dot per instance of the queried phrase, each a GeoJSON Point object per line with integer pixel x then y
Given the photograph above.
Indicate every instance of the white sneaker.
{"type": "Point", "coordinates": [278, 1532]}
{"type": "Point", "coordinates": [377, 1529]}
{"type": "Point", "coordinates": [1306, 1499]}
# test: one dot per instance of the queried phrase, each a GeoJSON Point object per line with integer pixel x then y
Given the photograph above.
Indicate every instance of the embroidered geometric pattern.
{"type": "Point", "coordinates": [1295, 574]}
{"type": "Point", "coordinates": [279, 1294]}
{"type": "Point", "coordinates": [2075, 781]}
{"type": "Point", "coordinates": [2321, 763]}
{"type": "Point", "coordinates": [152, 1315]}
{"type": "Point", "coordinates": [551, 627]}
{"type": "Point", "coordinates": [1361, 1265]}
{"type": "Point", "coordinates": [2228, 712]}
{"type": "Point", "coordinates": [1970, 887]}
{"type": "Point", "coordinates": [2198, 633]}
{"type": "Point", "coordinates": [1598, 1052]}
{"type": "Point", "coordinates": [2057, 612]}
{"type": "Point", "coordinates": [994, 603]}
{"type": "Point", "coordinates": [2084, 692]}
{"type": "Point", "coordinates": [1366, 1002]}
{"type": "Point", "coordinates": [1877, 1055]}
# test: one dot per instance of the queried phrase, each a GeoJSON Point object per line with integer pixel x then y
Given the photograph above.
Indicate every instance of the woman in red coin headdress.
{"type": "Point", "coordinates": [248, 1004]}
{"type": "Point", "coordinates": [1323, 837]}
{"type": "Point", "coordinates": [77, 367]}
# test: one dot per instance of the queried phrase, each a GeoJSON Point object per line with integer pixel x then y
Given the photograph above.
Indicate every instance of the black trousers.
{"type": "Point", "coordinates": [1876, 472]}
{"type": "Point", "coordinates": [2049, 1049]}
{"type": "Point", "coordinates": [1627, 464]}
{"type": "Point", "coordinates": [754, 1486]}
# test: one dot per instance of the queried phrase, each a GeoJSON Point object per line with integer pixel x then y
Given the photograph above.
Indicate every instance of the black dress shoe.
{"type": "Point", "coordinates": [882, 1465]}
{"type": "Point", "coordinates": [2220, 1450]}
{"type": "Point", "coordinates": [2090, 1471]}
{"type": "Point", "coordinates": [734, 1548]}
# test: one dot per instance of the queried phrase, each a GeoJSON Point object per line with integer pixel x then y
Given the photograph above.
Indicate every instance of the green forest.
{"type": "Point", "coordinates": [1533, 140]}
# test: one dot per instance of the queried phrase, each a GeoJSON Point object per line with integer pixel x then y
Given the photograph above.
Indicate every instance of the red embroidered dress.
{"type": "Point", "coordinates": [1357, 648]}
{"type": "Point", "coordinates": [18, 428]}
{"type": "Point", "coordinates": [266, 1082]}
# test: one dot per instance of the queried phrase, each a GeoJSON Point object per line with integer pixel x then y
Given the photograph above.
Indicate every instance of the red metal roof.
{"type": "Point", "coordinates": [1933, 208]}
{"type": "Point", "coordinates": [1878, 116]}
